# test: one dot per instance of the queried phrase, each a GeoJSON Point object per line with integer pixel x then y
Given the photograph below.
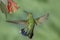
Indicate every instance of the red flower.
{"type": "Point", "coordinates": [12, 6]}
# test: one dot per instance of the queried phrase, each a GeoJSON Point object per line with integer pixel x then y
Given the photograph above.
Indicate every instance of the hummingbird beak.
{"type": "Point", "coordinates": [26, 12]}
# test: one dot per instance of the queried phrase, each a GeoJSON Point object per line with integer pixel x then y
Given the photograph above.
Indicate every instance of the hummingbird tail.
{"type": "Point", "coordinates": [30, 35]}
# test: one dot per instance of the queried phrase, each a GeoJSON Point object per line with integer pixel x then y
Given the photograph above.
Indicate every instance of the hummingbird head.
{"type": "Point", "coordinates": [29, 14]}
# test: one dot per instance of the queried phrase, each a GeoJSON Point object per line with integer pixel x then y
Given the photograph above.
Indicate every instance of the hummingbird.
{"type": "Point", "coordinates": [30, 22]}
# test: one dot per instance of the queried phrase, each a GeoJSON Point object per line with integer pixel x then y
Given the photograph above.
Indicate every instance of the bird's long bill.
{"type": "Point", "coordinates": [26, 12]}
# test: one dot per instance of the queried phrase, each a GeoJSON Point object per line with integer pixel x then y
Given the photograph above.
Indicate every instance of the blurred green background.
{"type": "Point", "coordinates": [50, 30]}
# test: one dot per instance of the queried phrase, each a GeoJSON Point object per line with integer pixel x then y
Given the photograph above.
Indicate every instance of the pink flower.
{"type": "Point", "coordinates": [12, 6]}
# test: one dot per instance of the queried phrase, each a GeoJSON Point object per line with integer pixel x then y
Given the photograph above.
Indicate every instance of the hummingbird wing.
{"type": "Point", "coordinates": [19, 22]}
{"type": "Point", "coordinates": [3, 7]}
{"type": "Point", "coordinates": [42, 19]}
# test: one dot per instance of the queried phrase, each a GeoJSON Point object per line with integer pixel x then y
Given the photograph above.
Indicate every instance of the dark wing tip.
{"type": "Point", "coordinates": [12, 22]}
{"type": "Point", "coordinates": [47, 14]}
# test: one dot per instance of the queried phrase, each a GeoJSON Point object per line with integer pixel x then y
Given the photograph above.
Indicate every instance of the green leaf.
{"type": "Point", "coordinates": [3, 8]}
{"type": "Point", "coordinates": [4, 1]}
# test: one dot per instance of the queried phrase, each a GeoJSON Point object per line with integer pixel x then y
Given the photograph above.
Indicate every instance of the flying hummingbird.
{"type": "Point", "coordinates": [30, 22]}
